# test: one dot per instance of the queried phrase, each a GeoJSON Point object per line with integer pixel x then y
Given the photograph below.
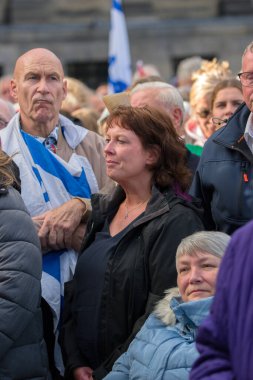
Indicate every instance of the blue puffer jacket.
{"type": "Point", "coordinates": [164, 349]}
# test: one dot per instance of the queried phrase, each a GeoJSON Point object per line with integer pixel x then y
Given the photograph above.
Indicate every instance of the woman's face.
{"type": "Point", "coordinates": [197, 275]}
{"type": "Point", "coordinates": [226, 102]}
{"type": "Point", "coordinates": [126, 159]}
{"type": "Point", "coordinates": [203, 117]}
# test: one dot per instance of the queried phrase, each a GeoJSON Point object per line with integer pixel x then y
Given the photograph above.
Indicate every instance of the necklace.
{"type": "Point", "coordinates": [139, 204]}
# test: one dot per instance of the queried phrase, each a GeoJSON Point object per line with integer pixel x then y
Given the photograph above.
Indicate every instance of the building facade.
{"type": "Point", "coordinates": [161, 32]}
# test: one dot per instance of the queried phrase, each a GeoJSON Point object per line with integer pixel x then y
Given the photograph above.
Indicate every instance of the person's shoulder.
{"type": "Point", "coordinates": [94, 136]}
{"type": "Point", "coordinates": [11, 200]}
{"type": "Point", "coordinates": [243, 235]}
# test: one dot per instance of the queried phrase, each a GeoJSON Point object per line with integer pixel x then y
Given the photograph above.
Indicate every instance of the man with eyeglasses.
{"type": "Point", "coordinates": [224, 177]}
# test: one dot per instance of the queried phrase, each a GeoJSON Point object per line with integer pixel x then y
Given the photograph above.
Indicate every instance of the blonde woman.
{"type": "Point", "coordinates": [200, 127]}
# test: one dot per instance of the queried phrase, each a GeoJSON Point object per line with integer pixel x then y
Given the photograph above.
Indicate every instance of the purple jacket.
{"type": "Point", "coordinates": [225, 339]}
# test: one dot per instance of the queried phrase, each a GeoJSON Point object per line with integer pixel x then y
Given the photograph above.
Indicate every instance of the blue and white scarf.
{"type": "Point", "coordinates": [47, 181]}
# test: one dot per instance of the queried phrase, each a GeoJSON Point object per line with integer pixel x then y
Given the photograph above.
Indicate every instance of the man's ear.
{"type": "Point", "coordinates": [14, 90]}
{"type": "Point", "coordinates": [65, 89]}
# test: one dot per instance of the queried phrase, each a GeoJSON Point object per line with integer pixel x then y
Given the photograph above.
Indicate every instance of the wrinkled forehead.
{"type": "Point", "coordinates": [38, 63]}
{"type": "Point", "coordinates": [195, 256]}
{"type": "Point", "coordinates": [142, 97]}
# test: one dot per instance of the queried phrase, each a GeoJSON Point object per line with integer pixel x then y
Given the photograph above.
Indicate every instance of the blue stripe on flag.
{"type": "Point", "coordinates": [46, 197]}
{"type": "Point", "coordinates": [37, 173]}
{"type": "Point", "coordinates": [119, 61]}
{"type": "Point", "coordinates": [118, 86]}
{"type": "Point", "coordinates": [117, 5]}
{"type": "Point", "coordinates": [51, 264]}
{"type": "Point", "coordinates": [76, 186]}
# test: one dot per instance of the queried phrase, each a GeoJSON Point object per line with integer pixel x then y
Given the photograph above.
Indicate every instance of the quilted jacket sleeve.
{"type": "Point", "coordinates": [20, 269]}
{"type": "Point", "coordinates": [121, 368]}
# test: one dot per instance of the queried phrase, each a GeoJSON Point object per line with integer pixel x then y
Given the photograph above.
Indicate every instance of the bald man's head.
{"type": "Point", "coordinates": [36, 56]}
{"type": "Point", "coordinates": [39, 87]}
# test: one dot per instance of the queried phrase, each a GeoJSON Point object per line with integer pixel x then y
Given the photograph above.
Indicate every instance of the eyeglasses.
{"type": "Point", "coordinates": [3, 123]}
{"type": "Point", "coordinates": [204, 113]}
{"type": "Point", "coordinates": [246, 78]}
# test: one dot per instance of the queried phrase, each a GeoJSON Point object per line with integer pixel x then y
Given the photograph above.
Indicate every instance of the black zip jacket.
{"type": "Point", "coordinates": [224, 178]}
{"type": "Point", "coordinates": [147, 252]}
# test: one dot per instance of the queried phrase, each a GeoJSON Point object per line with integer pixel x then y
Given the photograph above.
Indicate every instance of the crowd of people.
{"type": "Point", "coordinates": [117, 210]}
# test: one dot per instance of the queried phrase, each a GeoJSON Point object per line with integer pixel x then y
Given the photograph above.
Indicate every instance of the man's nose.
{"type": "Point", "coordinates": [43, 86]}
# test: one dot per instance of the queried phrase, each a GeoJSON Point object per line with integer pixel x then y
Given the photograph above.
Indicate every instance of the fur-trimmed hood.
{"type": "Point", "coordinates": [172, 309]}
{"type": "Point", "coordinates": [163, 310]}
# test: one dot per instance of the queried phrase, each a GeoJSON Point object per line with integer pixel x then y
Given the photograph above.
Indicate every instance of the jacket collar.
{"type": "Point", "coordinates": [160, 202]}
{"type": "Point", "coordinates": [234, 129]}
{"type": "Point", "coordinates": [191, 312]}
{"type": "Point", "coordinates": [171, 309]}
{"type": "Point", "coordinates": [232, 135]}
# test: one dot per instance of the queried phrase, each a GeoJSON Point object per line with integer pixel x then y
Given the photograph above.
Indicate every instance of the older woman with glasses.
{"type": "Point", "coordinates": [200, 127]}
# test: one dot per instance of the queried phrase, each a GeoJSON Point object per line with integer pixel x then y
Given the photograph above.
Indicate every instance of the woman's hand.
{"type": "Point", "coordinates": [82, 373]}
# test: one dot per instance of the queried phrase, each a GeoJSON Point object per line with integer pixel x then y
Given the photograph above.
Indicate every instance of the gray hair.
{"type": "Point", "coordinates": [187, 66]}
{"type": "Point", "coordinates": [249, 47]}
{"type": "Point", "coordinates": [212, 242]}
{"type": "Point", "coordinates": [165, 93]}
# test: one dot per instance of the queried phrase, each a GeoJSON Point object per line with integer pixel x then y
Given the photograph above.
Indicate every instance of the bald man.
{"type": "Point", "coordinates": [60, 164]}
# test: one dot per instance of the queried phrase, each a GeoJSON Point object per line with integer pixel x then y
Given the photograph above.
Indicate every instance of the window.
{"type": "Point", "coordinates": [91, 73]}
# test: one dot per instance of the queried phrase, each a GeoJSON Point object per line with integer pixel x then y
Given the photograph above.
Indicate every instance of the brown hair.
{"type": "Point", "coordinates": [155, 130]}
{"type": "Point", "coordinates": [226, 83]}
{"type": "Point", "coordinates": [7, 177]}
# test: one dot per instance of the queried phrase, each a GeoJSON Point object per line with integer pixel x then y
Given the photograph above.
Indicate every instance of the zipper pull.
{"type": "Point", "coordinates": [245, 177]}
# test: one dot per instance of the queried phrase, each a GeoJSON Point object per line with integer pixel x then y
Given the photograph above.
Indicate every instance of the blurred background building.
{"type": "Point", "coordinates": [161, 32]}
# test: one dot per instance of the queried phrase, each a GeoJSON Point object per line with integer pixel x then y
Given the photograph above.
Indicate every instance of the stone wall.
{"type": "Point", "coordinates": [160, 31]}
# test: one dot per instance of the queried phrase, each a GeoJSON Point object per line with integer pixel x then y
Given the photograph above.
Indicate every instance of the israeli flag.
{"type": "Point", "coordinates": [120, 75]}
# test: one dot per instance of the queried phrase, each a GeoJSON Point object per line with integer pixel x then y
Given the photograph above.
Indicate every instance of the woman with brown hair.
{"type": "Point", "coordinates": [128, 258]}
{"type": "Point", "coordinates": [22, 351]}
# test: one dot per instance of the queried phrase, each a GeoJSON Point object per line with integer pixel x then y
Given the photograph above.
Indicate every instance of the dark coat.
{"type": "Point", "coordinates": [224, 177]}
{"type": "Point", "coordinates": [22, 350]}
{"type": "Point", "coordinates": [147, 252]}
